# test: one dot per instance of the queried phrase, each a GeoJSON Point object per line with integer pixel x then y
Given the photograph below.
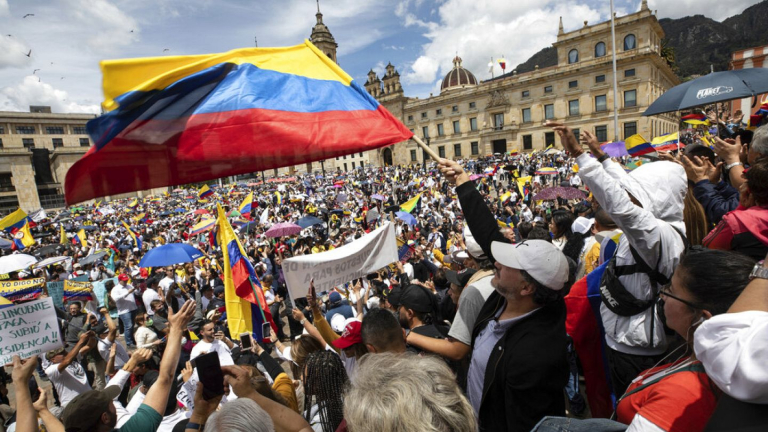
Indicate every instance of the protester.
{"type": "Point", "coordinates": [122, 294]}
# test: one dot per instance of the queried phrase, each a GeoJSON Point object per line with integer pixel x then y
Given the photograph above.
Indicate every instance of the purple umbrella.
{"type": "Point", "coordinates": [555, 192]}
{"type": "Point", "coordinates": [283, 229]}
{"type": "Point", "coordinates": [378, 197]}
{"type": "Point", "coordinates": [615, 149]}
{"type": "Point", "coordinates": [474, 177]}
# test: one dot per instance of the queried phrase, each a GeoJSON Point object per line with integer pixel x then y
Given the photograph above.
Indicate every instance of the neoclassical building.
{"type": "Point", "coordinates": [470, 118]}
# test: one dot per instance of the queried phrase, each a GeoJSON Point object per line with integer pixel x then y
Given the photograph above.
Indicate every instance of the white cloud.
{"type": "Point", "coordinates": [422, 71]}
{"type": "Point", "coordinates": [4, 10]}
{"type": "Point", "coordinates": [715, 9]}
{"type": "Point", "coordinates": [33, 92]}
{"type": "Point", "coordinates": [13, 52]}
{"type": "Point", "coordinates": [380, 68]}
{"type": "Point", "coordinates": [108, 27]}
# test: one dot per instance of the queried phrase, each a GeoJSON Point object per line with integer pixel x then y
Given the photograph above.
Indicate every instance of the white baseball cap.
{"type": "Point", "coordinates": [541, 259]}
{"type": "Point", "coordinates": [473, 248]}
{"type": "Point", "coordinates": [582, 225]}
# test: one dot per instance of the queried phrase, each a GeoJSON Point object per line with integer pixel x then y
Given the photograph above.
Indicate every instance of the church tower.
{"type": "Point", "coordinates": [322, 38]}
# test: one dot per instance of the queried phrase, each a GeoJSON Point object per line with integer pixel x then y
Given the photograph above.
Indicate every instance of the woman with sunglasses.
{"type": "Point", "coordinates": [676, 396]}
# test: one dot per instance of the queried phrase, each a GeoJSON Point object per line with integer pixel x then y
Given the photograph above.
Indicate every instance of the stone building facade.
{"type": "Point", "coordinates": [756, 57]}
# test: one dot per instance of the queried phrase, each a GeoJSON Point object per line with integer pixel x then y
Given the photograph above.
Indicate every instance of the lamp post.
{"type": "Point", "coordinates": [615, 79]}
{"type": "Point", "coordinates": [424, 154]}
{"type": "Point", "coordinates": [322, 165]}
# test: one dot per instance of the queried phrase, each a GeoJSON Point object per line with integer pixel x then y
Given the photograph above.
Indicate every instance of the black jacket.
{"type": "Point", "coordinates": [527, 370]}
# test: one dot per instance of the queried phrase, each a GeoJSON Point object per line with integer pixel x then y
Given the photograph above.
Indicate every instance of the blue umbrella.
{"type": "Point", "coordinates": [308, 221]}
{"type": "Point", "coordinates": [170, 254]}
{"type": "Point", "coordinates": [180, 210]}
{"type": "Point", "coordinates": [711, 88]}
{"type": "Point", "coordinates": [88, 228]}
{"type": "Point", "coordinates": [406, 217]}
{"type": "Point", "coordinates": [165, 213]}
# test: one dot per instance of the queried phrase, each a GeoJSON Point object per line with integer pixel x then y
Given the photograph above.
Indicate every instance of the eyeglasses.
{"type": "Point", "coordinates": [665, 292]}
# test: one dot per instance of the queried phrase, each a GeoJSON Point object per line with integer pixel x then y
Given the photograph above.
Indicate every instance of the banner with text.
{"type": "Point", "coordinates": [22, 290]}
{"type": "Point", "coordinates": [365, 255]}
{"type": "Point", "coordinates": [77, 291]}
{"type": "Point", "coordinates": [28, 329]}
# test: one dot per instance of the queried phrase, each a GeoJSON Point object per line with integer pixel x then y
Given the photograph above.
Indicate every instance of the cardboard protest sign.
{"type": "Point", "coordinates": [22, 290]}
{"type": "Point", "coordinates": [28, 329]}
{"type": "Point", "coordinates": [100, 291]}
{"type": "Point", "coordinates": [74, 290]}
{"type": "Point", "coordinates": [367, 254]}
{"type": "Point", "coordinates": [56, 292]}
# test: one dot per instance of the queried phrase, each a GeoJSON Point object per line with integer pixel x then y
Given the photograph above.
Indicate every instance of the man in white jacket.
{"type": "Point", "coordinates": [647, 205]}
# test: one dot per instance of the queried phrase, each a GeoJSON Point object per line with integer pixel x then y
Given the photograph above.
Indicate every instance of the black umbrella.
{"type": "Point", "coordinates": [392, 209]}
{"type": "Point", "coordinates": [715, 87]}
{"type": "Point", "coordinates": [49, 249]}
{"type": "Point", "coordinates": [90, 259]}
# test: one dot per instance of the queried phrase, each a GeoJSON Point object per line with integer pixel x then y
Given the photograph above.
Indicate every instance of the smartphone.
{"type": "Point", "coordinates": [245, 341]}
{"type": "Point", "coordinates": [265, 331]}
{"type": "Point", "coordinates": [210, 374]}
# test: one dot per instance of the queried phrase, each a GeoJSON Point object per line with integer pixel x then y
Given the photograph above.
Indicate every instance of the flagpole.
{"type": "Point", "coordinates": [615, 79]}
{"type": "Point", "coordinates": [425, 147]}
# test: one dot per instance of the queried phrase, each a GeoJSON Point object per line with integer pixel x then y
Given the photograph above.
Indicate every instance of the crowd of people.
{"type": "Point", "coordinates": [483, 323]}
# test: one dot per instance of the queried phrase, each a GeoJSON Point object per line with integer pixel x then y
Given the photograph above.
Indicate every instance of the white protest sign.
{"type": "Point", "coordinates": [28, 329]}
{"type": "Point", "coordinates": [365, 255]}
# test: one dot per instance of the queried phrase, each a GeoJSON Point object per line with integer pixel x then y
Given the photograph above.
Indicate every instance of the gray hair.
{"type": "Point", "coordinates": [759, 142]}
{"type": "Point", "coordinates": [240, 415]}
{"type": "Point", "coordinates": [406, 392]}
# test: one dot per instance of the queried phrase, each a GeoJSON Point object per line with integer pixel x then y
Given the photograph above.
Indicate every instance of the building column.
{"type": "Point", "coordinates": [23, 177]}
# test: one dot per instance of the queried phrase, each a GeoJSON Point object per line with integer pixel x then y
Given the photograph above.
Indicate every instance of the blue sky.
{"type": "Point", "coordinates": [69, 37]}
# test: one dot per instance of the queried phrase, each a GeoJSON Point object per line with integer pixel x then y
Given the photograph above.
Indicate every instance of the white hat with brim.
{"type": "Point", "coordinates": [539, 258]}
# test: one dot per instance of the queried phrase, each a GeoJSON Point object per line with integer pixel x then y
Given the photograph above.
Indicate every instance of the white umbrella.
{"type": "Point", "coordinates": [53, 260]}
{"type": "Point", "coordinates": [16, 262]}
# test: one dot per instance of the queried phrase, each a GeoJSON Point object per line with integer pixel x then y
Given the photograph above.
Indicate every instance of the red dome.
{"type": "Point", "coordinates": [458, 77]}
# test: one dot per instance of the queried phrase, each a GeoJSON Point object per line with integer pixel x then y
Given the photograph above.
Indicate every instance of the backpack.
{"type": "Point", "coordinates": [616, 297]}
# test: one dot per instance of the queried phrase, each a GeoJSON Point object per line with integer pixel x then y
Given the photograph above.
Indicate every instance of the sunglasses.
{"type": "Point", "coordinates": [665, 292]}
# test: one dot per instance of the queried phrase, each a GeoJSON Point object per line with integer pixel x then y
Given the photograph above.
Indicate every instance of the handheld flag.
{"type": "Point", "coordinates": [696, 119]}
{"type": "Point", "coordinates": [666, 142]}
{"type": "Point", "coordinates": [278, 198]}
{"type": "Point", "coordinates": [16, 220]}
{"type": "Point", "coordinates": [244, 298]}
{"type": "Point", "coordinates": [216, 115]}
{"type": "Point", "coordinates": [133, 203]}
{"type": "Point", "coordinates": [80, 238]}
{"type": "Point", "coordinates": [136, 239]}
{"type": "Point", "coordinates": [409, 205]}
{"type": "Point", "coordinates": [636, 145]}
{"type": "Point", "coordinates": [204, 192]}
{"type": "Point", "coordinates": [245, 206]}
{"type": "Point", "coordinates": [22, 238]}
{"type": "Point", "coordinates": [203, 226]}
{"type": "Point", "coordinates": [62, 235]}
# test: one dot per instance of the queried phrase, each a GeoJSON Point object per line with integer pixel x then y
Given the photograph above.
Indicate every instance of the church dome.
{"type": "Point", "coordinates": [458, 77]}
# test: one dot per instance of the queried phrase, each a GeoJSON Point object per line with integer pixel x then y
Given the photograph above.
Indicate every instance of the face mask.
{"type": "Point", "coordinates": [148, 323]}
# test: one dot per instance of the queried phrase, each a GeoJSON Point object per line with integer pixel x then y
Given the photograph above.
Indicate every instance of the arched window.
{"type": "Point", "coordinates": [573, 56]}
{"type": "Point", "coordinates": [600, 49]}
{"type": "Point", "coordinates": [630, 42]}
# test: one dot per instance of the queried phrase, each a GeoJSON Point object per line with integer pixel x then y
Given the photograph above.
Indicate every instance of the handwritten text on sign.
{"type": "Point", "coordinates": [365, 255]}
{"type": "Point", "coordinates": [28, 329]}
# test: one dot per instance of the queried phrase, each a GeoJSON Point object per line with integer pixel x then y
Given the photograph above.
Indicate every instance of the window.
{"type": "Point", "coordinates": [549, 111]}
{"type": "Point", "coordinates": [1, 143]}
{"type": "Point", "coordinates": [425, 131]}
{"type": "Point", "coordinates": [79, 130]}
{"type": "Point", "coordinates": [630, 98]}
{"type": "Point", "coordinates": [353, 165]}
{"type": "Point", "coordinates": [6, 182]}
{"type": "Point", "coordinates": [457, 149]}
{"type": "Point", "coordinates": [345, 157]}
{"type": "Point", "coordinates": [2, 130]}
{"type": "Point", "coordinates": [438, 112]}
{"type": "Point", "coordinates": [25, 130]}
{"type": "Point", "coordinates": [600, 103]}
{"type": "Point", "coordinates": [473, 123]}
{"type": "Point", "coordinates": [573, 56]}
{"type": "Point", "coordinates": [498, 120]}
{"type": "Point", "coordinates": [441, 151]}
{"type": "Point", "coordinates": [413, 155]}
{"type": "Point", "coordinates": [28, 143]}
{"type": "Point", "coordinates": [54, 130]}
{"type": "Point", "coordinates": [361, 154]}
{"type": "Point", "coordinates": [472, 105]}
{"type": "Point", "coordinates": [440, 130]}
{"type": "Point", "coordinates": [601, 133]}
{"type": "Point", "coordinates": [474, 148]}
{"type": "Point", "coordinates": [630, 42]}
{"type": "Point", "coordinates": [548, 89]}
{"type": "Point", "coordinates": [599, 79]}
{"type": "Point", "coordinates": [410, 118]}
{"type": "Point", "coordinates": [455, 108]}
{"type": "Point", "coordinates": [630, 128]}
{"type": "Point", "coordinates": [527, 142]}
{"type": "Point", "coordinates": [573, 84]}
{"type": "Point", "coordinates": [576, 133]}
{"type": "Point", "coordinates": [58, 142]}
{"type": "Point", "coordinates": [549, 139]}
{"type": "Point", "coordinates": [423, 115]}
{"type": "Point", "coordinates": [526, 115]}
{"type": "Point", "coordinates": [345, 167]}
{"type": "Point", "coordinates": [337, 158]}
{"type": "Point", "coordinates": [600, 49]}
{"type": "Point", "coordinates": [456, 127]}
{"type": "Point", "coordinates": [573, 107]}
{"type": "Point", "coordinates": [526, 93]}
{"type": "Point", "coordinates": [629, 73]}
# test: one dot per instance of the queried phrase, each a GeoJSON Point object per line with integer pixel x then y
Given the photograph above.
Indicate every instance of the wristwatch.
{"type": "Point", "coordinates": [731, 165]}
{"type": "Point", "coordinates": [758, 271]}
{"type": "Point", "coordinates": [194, 426]}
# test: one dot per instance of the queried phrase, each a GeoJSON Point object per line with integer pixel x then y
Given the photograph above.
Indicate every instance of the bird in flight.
{"type": "Point", "coordinates": [166, 50]}
{"type": "Point", "coordinates": [9, 35]}
{"type": "Point", "coordinates": [35, 71]}
{"type": "Point", "coordinates": [62, 77]}
{"type": "Point", "coordinates": [29, 54]}
{"type": "Point", "coordinates": [131, 31]}
{"type": "Point", "coordinates": [28, 15]}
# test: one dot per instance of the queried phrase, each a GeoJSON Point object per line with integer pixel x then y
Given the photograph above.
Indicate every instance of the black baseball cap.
{"type": "Point", "coordinates": [417, 298]}
{"type": "Point", "coordinates": [84, 411]}
{"type": "Point", "coordinates": [460, 278]}
{"type": "Point", "coordinates": [393, 297]}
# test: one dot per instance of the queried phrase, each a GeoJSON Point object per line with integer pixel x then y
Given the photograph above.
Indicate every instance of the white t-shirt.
{"type": "Point", "coordinates": [69, 383]}
{"type": "Point", "coordinates": [124, 301]}
{"type": "Point", "coordinates": [121, 356]}
{"type": "Point", "coordinates": [165, 283]}
{"type": "Point", "coordinates": [147, 297]}
{"type": "Point", "coordinates": [225, 357]}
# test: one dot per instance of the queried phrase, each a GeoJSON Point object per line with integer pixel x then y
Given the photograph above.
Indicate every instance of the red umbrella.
{"type": "Point", "coordinates": [202, 211]}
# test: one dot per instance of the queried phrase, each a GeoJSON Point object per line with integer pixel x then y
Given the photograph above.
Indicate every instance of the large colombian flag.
{"type": "Point", "coordinates": [244, 298]}
{"type": "Point", "coordinates": [246, 206]}
{"type": "Point", "coordinates": [636, 145]}
{"type": "Point", "coordinates": [15, 220]}
{"type": "Point", "coordinates": [183, 119]}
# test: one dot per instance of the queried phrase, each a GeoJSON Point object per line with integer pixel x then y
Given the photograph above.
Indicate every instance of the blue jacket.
{"type": "Point", "coordinates": [717, 200]}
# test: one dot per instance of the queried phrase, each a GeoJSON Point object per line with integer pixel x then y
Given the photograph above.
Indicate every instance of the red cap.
{"type": "Point", "coordinates": [350, 336]}
{"type": "Point", "coordinates": [122, 277]}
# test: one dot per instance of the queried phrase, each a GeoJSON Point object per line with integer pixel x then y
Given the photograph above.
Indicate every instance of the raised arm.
{"type": "Point", "coordinates": [72, 354]}
{"type": "Point", "coordinates": [26, 417]}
